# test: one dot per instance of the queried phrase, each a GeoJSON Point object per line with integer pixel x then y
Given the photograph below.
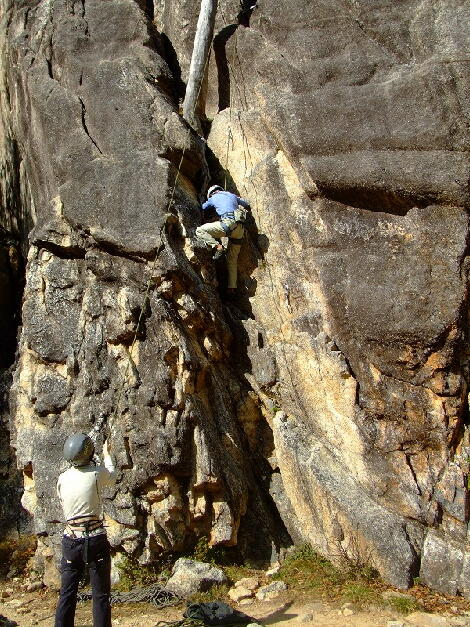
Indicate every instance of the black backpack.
{"type": "Point", "coordinates": [216, 613]}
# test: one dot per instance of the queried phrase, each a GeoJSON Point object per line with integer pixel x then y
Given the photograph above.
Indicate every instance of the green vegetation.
{"type": "Point", "coordinates": [216, 593]}
{"type": "Point", "coordinates": [353, 581]}
{"type": "Point", "coordinates": [361, 593]}
{"type": "Point", "coordinates": [217, 555]}
{"type": "Point", "coordinates": [134, 574]}
{"type": "Point", "coordinates": [304, 571]}
{"type": "Point", "coordinates": [404, 606]}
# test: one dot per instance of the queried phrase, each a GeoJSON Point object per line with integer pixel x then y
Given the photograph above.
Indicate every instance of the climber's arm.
{"type": "Point", "coordinates": [243, 202]}
{"type": "Point", "coordinates": [207, 205]}
{"type": "Point", "coordinates": [108, 472]}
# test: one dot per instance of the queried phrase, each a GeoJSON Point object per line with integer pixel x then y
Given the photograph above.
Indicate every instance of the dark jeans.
{"type": "Point", "coordinates": [72, 568]}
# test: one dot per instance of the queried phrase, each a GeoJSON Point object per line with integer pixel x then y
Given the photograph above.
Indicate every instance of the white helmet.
{"type": "Point", "coordinates": [214, 188]}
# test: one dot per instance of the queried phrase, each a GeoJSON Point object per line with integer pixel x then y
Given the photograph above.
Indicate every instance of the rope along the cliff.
{"type": "Point", "coordinates": [246, 152]}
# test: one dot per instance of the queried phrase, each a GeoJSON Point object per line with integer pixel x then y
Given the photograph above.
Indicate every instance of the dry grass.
{"type": "Point", "coordinates": [15, 554]}
{"type": "Point", "coordinates": [216, 593]}
{"type": "Point", "coordinates": [305, 571]}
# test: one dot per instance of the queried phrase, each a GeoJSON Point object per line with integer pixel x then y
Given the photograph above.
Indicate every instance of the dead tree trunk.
{"type": "Point", "coordinates": [202, 43]}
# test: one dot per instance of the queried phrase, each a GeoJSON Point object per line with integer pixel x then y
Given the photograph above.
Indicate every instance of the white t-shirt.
{"type": "Point", "coordinates": [79, 489]}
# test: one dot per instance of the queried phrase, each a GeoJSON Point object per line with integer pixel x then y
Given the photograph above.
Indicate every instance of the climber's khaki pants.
{"type": "Point", "coordinates": [211, 233]}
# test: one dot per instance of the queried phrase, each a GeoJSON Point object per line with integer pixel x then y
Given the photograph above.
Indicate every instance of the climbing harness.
{"type": "Point", "coordinates": [241, 215]}
{"type": "Point", "coordinates": [83, 525]}
{"type": "Point", "coordinates": [228, 223]}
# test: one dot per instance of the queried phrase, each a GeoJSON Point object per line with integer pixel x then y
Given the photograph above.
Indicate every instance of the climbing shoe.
{"type": "Point", "coordinates": [218, 253]}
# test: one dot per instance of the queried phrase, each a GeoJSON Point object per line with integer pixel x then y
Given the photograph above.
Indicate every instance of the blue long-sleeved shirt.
{"type": "Point", "coordinates": [224, 202]}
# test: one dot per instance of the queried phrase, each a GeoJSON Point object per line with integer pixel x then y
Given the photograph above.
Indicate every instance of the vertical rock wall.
{"type": "Point", "coordinates": [114, 172]}
{"type": "Point", "coordinates": [15, 223]}
{"type": "Point", "coordinates": [336, 386]}
{"type": "Point", "coordinates": [348, 132]}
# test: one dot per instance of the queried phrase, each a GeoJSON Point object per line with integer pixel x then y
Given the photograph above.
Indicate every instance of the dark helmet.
{"type": "Point", "coordinates": [79, 449]}
{"type": "Point", "coordinates": [214, 188]}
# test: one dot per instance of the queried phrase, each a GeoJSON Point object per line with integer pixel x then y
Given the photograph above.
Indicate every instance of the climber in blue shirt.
{"type": "Point", "coordinates": [229, 225]}
{"type": "Point", "coordinates": [223, 202]}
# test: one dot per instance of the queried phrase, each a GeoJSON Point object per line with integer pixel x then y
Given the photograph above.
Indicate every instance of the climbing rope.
{"type": "Point", "coordinates": [184, 622]}
{"type": "Point", "coordinates": [246, 151]}
{"type": "Point", "coordinates": [154, 594]}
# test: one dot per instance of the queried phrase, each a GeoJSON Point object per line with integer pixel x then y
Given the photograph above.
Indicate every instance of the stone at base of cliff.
{"type": "Point", "coordinates": [250, 583]}
{"type": "Point", "coordinates": [239, 594]}
{"type": "Point", "coordinates": [445, 565]}
{"type": "Point", "coordinates": [190, 576]}
{"type": "Point", "coordinates": [423, 619]}
{"type": "Point", "coordinates": [271, 591]}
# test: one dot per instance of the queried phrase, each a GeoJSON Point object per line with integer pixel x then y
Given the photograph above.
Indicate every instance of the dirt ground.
{"type": "Point", "coordinates": [37, 608]}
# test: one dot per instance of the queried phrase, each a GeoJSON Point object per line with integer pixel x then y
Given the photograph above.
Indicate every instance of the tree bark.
{"type": "Point", "coordinates": [202, 43]}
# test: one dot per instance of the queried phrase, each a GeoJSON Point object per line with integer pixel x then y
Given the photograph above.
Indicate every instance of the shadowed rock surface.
{"type": "Point", "coordinates": [330, 399]}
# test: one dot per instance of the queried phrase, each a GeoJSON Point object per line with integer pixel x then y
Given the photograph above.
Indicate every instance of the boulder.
{"type": "Point", "coordinates": [239, 593]}
{"type": "Point", "coordinates": [190, 576]}
{"type": "Point", "coordinates": [250, 583]}
{"type": "Point", "coordinates": [271, 591]}
{"type": "Point", "coordinates": [442, 564]}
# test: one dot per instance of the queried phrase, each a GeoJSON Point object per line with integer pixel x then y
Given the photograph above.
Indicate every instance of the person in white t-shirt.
{"type": "Point", "coordinates": [84, 542]}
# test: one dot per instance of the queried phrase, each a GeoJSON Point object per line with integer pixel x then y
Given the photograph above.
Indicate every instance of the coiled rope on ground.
{"type": "Point", "coordinates": [154, 594]}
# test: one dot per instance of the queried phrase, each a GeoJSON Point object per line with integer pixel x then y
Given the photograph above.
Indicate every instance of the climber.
{"type": "Point", "coordinates": [246, 9]}
{"type": "Point", "coordinates": [84, 542]}
{"type": "Point", "coordinates": [230, 224]}
{"type": "Point", "coordinates": [247, 5]}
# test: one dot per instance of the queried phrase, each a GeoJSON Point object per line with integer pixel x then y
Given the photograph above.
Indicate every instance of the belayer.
{"type": "Point", "coordinates": [230, 224]}
{"type": "Point", "coordinates": [84, 542]}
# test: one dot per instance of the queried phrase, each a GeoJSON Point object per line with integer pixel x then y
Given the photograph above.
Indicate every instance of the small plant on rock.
{"type": "Point", "coordinates": [404, 606]}
{"type": "Point", "coordinates": [217, 555]}
{"type": "Point", "coordinates": [132, 574]}
{"type": "Point", "coordinates": [216, 593]}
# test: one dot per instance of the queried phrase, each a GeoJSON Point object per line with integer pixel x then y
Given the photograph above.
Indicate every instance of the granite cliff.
{"type": "Point", "coordinates": [328, 403]}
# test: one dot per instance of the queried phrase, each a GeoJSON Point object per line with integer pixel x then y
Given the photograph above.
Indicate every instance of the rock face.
{"type": "Point", "coordinates": [116, 320]}
{"type": "Point", "coordinates": [13, 519]}
{"type": "Point", "coordinates": [333, 393]}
